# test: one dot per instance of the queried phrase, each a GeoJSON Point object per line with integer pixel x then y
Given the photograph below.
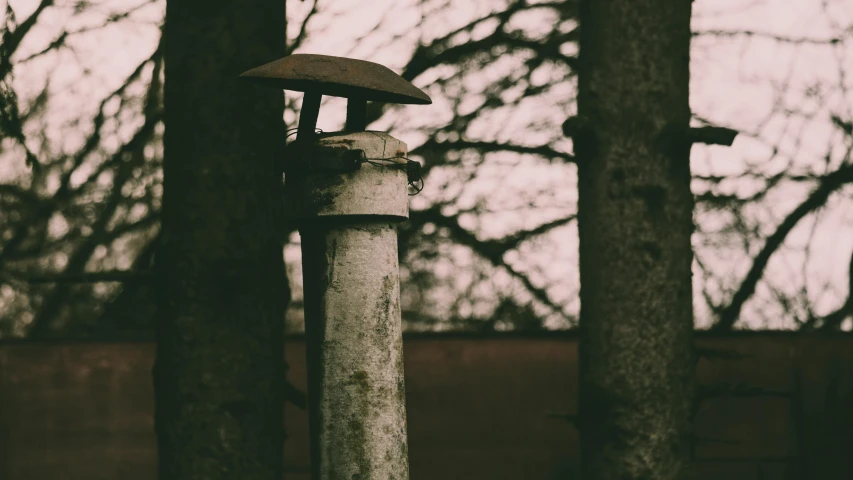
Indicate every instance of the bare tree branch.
{"type": "Point", "coordinates": [303, 29]}
{"type": "Point", "coordinates": [494, 250]}
{"type": "Point", "coordinates": [17, 36]}
{"type": "Point", "coordinates": [827, 185]}
{"type": "Point", "coordinates": [834, 320]}
{"type": "Point", "coordinates": [51, 307]}
{"type": "Point", "coordinates": [442, 148]}
{"type": "Point", "coordinates": [768, 36]}
{"type": "Point", "coordinates": [712, 135]}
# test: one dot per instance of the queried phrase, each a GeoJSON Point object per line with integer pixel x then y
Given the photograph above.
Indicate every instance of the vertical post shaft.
{"type": "Point", "coordinates": [353, 331]}
{"type": "Point", "coordinates": [355, 352]}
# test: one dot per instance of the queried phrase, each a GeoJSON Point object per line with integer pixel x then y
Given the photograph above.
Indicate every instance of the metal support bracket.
{"type": "Point", "coordinates": [316, 158]}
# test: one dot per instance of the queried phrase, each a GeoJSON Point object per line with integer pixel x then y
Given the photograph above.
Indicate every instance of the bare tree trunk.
{"type": "Point", "coordinates": [635, 222]}
{"type": "Point", "coordinates": [219, 375]}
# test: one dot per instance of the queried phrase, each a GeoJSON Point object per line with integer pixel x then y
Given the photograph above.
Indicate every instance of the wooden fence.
{"type": "Point", "coordinates": [777, 406]}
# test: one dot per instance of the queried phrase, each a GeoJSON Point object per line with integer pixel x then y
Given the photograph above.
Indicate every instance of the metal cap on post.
{"type": "Point", "coordinates": [345, 189]}
{"type": "Point", "coordinates": [375, 188]}
{"type": "Point", "coordinates": [357, 80]}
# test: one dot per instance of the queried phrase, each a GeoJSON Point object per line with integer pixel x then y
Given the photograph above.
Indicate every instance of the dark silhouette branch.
{"type": "Point", "coordinates": [493, 250]}
{"type": "Point", "coordinates": [834, 320]}
{"type": "Point", "coordinates": [14, 39]}
{"type": "Point", "coordinates": [426, 57]}
{"type": "Point", "coordinates": [442, 148]}
{"type": "Point", "coordinates": [52, 305]}
{"type": "Point", "coordinates": [303, 30]}
{"type": "Point", "coordinates": [62, 39]}
{"type": "Point", "coordinates": [65, 192]}
{"type": "Point", "coordinates": [768, 36]}
{"type": "Point", "coordinates": [712, 135]}
{"type": "Point", "coordinates": [827, 185]}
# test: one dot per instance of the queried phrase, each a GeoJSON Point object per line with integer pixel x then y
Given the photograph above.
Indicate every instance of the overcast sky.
{"type": "Point", "coordinates": [781, 92]}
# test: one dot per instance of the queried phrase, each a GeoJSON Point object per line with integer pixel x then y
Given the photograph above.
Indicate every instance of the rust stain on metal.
{"type": "Point", "coordinates": [338, 77]}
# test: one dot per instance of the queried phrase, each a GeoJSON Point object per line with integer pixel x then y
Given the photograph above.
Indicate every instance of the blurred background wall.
{"type": "Point", "coordinates": [772, 406]}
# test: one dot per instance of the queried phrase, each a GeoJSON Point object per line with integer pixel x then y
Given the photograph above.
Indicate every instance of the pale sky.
{"type": "Point", "coordinates": [782, 93]}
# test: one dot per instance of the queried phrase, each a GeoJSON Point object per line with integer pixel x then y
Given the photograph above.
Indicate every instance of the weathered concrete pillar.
{"type": "Point", "coordinates": [352, 305]}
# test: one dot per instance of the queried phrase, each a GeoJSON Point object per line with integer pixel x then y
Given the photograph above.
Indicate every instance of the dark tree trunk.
{"type": "Point", "coordinates": [635, 222]}
{"type": "Point", "coordinates": [219, 373]}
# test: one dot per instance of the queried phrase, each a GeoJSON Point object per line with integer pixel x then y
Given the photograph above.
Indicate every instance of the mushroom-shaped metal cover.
{"type": "Point", "coordinates": [338, 77]}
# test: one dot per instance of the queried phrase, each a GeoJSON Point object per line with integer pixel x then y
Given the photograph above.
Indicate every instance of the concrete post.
{"type": "Point", "coordinates": [352, 308]}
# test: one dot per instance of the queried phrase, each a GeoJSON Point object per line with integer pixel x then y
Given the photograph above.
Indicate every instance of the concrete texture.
{"type": "Point", "coordinates": [355, 353]}
{"type": "Point", "coordinates": [371, 190]}
{"type": "Point", "coordinates": [352, 312]}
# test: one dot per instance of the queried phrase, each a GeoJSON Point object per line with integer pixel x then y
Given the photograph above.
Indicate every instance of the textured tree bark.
{"type": "Point", "coordinates": [219, 373]}
{"type": "Point", "coordinates": [635, 222]}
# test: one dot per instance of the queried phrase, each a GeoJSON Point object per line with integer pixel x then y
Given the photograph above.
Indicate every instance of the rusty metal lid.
{"type": "Point", "coordinates": [338, 77]}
